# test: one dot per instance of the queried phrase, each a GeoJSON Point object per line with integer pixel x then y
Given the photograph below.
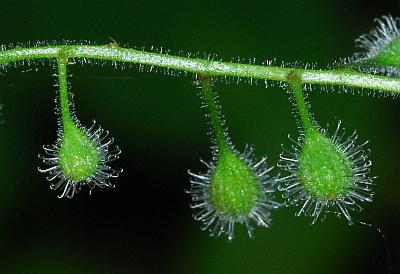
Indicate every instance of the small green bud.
{"type": "Point", "coordinates": [234, 187]}
{"type": "Point", "coordinates": [381, 48]}
{"type": "Point", "coordinates": [323, 168]}
{"type": "Point", "coordinates": [328, 174]}
{"type": "Point", "coordinates": [79, 157]}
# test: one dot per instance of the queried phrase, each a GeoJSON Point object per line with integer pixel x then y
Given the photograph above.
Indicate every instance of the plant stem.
{"type": "Point", "coordinates": [65, 111]}
{"type": "Point", "coordinates": [201, 66]}
{"type": "Point", "coordinates": [297, 90]}
{"type": "Point", "coordinates": [215, 115]}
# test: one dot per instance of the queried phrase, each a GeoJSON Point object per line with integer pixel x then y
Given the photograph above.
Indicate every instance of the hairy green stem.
{"type": "Point", "coordinates": [114, 53]}
{"type": "Point", "coordinates": [62, 62]}
{"type": "Point", "coordinates": [297, 90]}
{"type": "Point", "coordinates": [215, 115]}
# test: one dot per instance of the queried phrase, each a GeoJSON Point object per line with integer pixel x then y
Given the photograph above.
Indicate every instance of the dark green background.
{"type": "Point", "coordinates": [144, 225]}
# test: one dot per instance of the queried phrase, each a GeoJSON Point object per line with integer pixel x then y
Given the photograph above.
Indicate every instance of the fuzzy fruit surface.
{"type": "Point", "coordinates": [388, 56]}
{"type": "Point", "coordinates": [234, 186]}
{"type": "Point", "coordinates": [78, 155]}
{"type": "Point", "coordinates": [324, 170]}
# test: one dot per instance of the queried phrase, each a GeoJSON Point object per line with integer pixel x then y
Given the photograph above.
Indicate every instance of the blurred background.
{"type": "Point", "coordinates": [144, 225]}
